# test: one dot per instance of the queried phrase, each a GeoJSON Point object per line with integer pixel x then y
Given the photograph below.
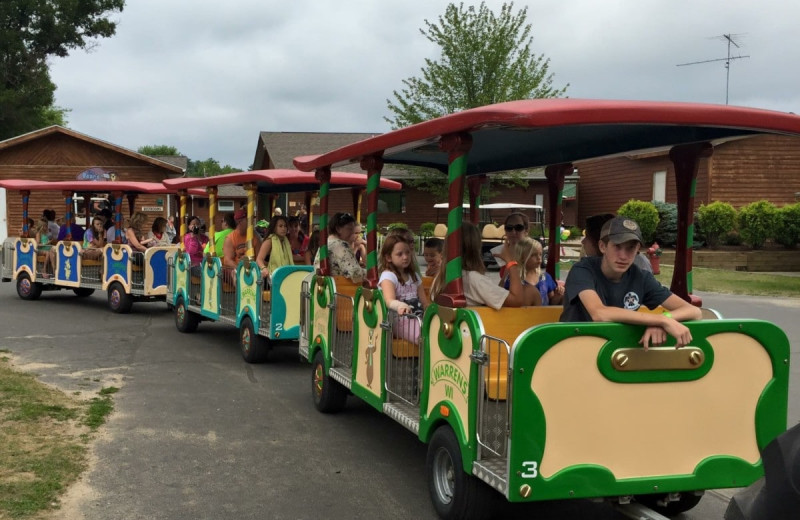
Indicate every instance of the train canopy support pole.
{"type": "Point", "coordinates": [68, 214]}
{"type": "Point", "coordinates": [323, 175]}
{"type": "Point", "coordinates": [117, 196]}
{"type": "Point", "coordinates": [26, 232]}
{"type": "Point", "coordinates": [183, 224]}
{"type": "Point", "coordinates": [686, 161]}
{"type": "Point", "coordinates": [555, 174]}
{"type": "Point", "coordinates": [212, 218]}
{"type": "Point", "coordinates": [251, 211]}
{"type": "Point", "coordinates": [474, 185]}
{"type": "Point", "coordinates": [373, 166]}
{"type": "Point", "coordinates": [457, 146]}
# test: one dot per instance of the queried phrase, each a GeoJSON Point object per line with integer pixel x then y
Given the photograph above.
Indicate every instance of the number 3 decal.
{"type": "Point", "coordinates": [531, 469]}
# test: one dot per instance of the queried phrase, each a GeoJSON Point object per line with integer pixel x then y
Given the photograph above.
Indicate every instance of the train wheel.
{"type": "Point", "coordinates": [329, 396]}
{"type": "Point", "coordinates": [118, 300]}
{"type": "Point", "coordinates": [454, 493]}
{"type": "Point", "coordinates": [185, 320]}
{"type": "Point", "coordinates": [26, 289]}
{"type": "Point", "coordinates": [254, 347]}
{"type": "Point", "coordinates": [83, 292]}
{"type": "Point", "coordinates": [686, 502]}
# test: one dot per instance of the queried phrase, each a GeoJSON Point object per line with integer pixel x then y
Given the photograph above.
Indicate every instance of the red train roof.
{"type": "Point", "coordinates": [85, 186]}
{"type": "Point", "coordinates": [278, 180]}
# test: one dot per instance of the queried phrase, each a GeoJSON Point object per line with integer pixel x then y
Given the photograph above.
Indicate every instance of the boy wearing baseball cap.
{"type": "Point", "coordinates": [611, 288]}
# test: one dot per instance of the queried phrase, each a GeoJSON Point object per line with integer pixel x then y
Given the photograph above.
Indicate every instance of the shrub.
{"type": "Point", "coordinates": [758, 222]}
{"type": "Point", "coordinates": [733, 238]}
{"type": "Point", "coordinates": [667, 229]}
{"type": "Point", "coordinates": [788, 231]}
{"type": "Point", "coordinates": [396, 225]}
{"type": "Point", "coordinates": [426, 229]}
{"type": "Point", "coordinates": [575, 233]}
{"type": "Point", "coordinates": [717, 220]}
{"type": "Point", "coordinates": [645, 214]}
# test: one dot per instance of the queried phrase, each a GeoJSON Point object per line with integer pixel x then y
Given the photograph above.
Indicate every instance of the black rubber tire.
{"type": "Point", "coordinates": [83, 292]}
{"type": "Point", "coordinates": [118, 300]}
{"type": "Point", "coordinates": [26, 289]}
{"type": "Point", "coordinates": [254, 348]}
{"type": "Point", "coordinates": [688, 501]}
{"type": "Point", "coordinates": [328, 395]}
{"type": "Point", "coordinates": [454, 493]}
{"type": "Point", "coordinates": [185, 320]}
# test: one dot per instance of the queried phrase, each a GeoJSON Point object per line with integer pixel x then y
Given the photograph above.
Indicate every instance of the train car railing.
{"type": "Point", "coordinates": [403, 351]}
{"type": "Point", "coordinates": [170, 279]}
{"type": "Point", "coordinates": [227, 302]}
{"type": "Point", "coordinates": [91, 273]}
{"type": "Point", "coordinates": [194, 285]}
{"type": "Point", "coordinates": [342, 351]}
{"type": "Point", "coordinates": [494, 407]}
{"type": "Point", "coordinates": [137, 272]}
{"type": "Point", "coordinates": [8, 259]}
{"type": "Point", "coordinates": [305, 312]}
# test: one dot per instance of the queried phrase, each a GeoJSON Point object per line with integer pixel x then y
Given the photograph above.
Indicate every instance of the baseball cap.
{"type": "Point", "coordinates": [619, 230]}
{"type": "Point", "coordinates": [239, 214]}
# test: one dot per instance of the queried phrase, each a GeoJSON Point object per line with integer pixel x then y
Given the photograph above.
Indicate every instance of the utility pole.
{"type": "Point", "coordinates": [730, 39]}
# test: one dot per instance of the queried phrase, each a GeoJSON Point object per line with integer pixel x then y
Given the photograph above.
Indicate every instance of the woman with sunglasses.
{"type": "Point", "coordinates": [516, 226]}
{"type": "Point", "coordinates": [341, 258]}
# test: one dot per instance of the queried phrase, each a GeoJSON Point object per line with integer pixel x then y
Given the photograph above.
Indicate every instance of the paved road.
{"type": "Point", "coordinates": [197, 433]}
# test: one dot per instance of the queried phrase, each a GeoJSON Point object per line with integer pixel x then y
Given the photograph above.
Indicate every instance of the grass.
{"type": "Point", "coordinates": [738, 282]}
{"type": "Point", "coordinates": [43, 441]}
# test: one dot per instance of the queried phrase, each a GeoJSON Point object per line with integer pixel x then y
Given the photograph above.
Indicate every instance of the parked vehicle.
{"type": "Point", "coordinates": [515, 401]}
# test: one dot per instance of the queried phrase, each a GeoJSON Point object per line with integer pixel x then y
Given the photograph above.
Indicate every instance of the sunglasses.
{"type": "Point", "coordinates": [519, 228]}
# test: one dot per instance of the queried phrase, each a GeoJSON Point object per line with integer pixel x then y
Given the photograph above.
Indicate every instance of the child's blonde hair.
{"type": "Point", "coordinates": [522, 253]}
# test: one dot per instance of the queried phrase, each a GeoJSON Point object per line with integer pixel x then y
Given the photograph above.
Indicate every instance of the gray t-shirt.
{"type": "Point", "coordinates": [636, 288]}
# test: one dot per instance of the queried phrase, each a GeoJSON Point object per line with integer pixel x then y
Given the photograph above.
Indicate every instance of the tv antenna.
{"type": "Point", "coordinates": [731, 39]}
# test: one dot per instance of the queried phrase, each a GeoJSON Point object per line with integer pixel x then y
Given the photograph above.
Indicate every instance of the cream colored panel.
{"type": "Point", "coordinates": [450, 376]}
{"type": "Point", "coordinates": [370, 353]}
{"type": "Point", "coordinates": [319, 326]}
{"type": "Point", "coordinates": [291, 288]}
{"type": "Point", "coordinates": [638, 430]}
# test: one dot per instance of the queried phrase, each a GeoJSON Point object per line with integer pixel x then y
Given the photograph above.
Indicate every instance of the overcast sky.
{"type": "Point", "coordinates": [207, 76]}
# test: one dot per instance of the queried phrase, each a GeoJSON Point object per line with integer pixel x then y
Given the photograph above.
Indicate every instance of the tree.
{"type": "Point", "coordinates": [30, 32]}
{"type": "Point", "coordinates": [208, 168]}
{"type": "Point", "coordinates": [485, 59]}
{"type": "Point", "coordinates": [154, 150]}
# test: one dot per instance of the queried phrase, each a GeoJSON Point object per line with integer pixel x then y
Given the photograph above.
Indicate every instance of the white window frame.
{"type": "Point", "coordinates": [225, 205]}
{"type": "Point", "coordinates": [660, 186]}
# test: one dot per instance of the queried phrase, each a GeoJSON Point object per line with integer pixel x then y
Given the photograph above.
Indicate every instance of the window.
{"type": "Point", "coordinates": [539, 199]}
{"type": "Point", "coordinates": [391, 202]}
{"type": "Point", "coordinates": [660, 186]}
{"type": "Point", "coordinates": [225, 205]}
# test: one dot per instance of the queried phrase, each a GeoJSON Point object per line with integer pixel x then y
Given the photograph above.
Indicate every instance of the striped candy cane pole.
{"type": "Point", "coordinates": [323, 175]}
{"type": "Point", "coordinates": [251, 210]}
{"type": "Point", "coordinates": [25, 198]}
{"type": "Point", "coordinates": [686, 162]}
{"type": "Point", "coordinates": [474, 184]}
{"type": "Point", "coordinates": [457, 146]}
{"type": "Point", "coordinates": [555, 174]}
{"type": "Point", "coordinates": [373, 166]}
{"type": "Point", "coordinates": [117, 216]}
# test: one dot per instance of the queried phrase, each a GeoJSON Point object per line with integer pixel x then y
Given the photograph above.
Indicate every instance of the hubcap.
{"type": "Point", "coordinates": [246, 340]}
{"type": "Point", "coordinates": [443, 476]}
{"type": "Point", "coordinates": [115, 298]}
{"type": "Point", "coordinates": [25, 286]}
{"type": "Point", "coordinates": [181, 311]}
{"type": "Point", "coordinates": [318, 375]}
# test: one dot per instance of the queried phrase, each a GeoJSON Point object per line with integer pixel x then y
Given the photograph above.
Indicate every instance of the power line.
{"type": "Point", "coordinates": [730, 39]}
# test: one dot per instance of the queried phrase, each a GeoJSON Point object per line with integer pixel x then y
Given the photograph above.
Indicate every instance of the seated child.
{"type": "Point", "coordinates": [432, 252]}
{"type": "Point", "coordinates": [401, 286]}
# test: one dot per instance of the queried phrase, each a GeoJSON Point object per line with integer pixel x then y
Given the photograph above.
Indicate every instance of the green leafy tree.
{"type": "Point", "coordinates": [485, 58]}
{"type": "Point", "coordinates": [208, 168]}
{"type": "Point", "coordinates": [154, 150]}
{"type": "Point", "coordinates": [31, 31]}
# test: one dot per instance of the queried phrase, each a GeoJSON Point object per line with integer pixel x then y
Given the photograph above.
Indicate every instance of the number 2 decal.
{"type": "Point", "coordinates": [531, 468]}
{"type": "Point", "coordinates": [278, 327]}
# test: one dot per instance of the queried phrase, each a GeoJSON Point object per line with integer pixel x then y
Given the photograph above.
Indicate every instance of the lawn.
{"type": "Point", "coordinates": [738, 282]}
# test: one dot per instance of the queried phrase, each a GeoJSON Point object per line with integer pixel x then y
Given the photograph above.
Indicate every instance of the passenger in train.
{"type": "Point", "coordinates": [612, 288]}
{"type": "Point", "coordinates": [297, 239]}
{"type": "Point", "coordinates": [592, 236]}
{"type": "Point", "coordinates": [94, 240]}
{"type": "Point", "coordinates": [528, 255]}
{"type": "Point", "coordinates": [480, 289]}
{"type": "Point", "coordinates": [158, 232]}
{"type": "Point", "coordinates": [235, 245]}
{"type": "Point", "coordinates": [341, 259]}
{"type": "Point", "coordinates": [73, 229]}
{"type": "Point", "coordinates": [135, 234]}
{"type": "Point", "coordinates": [276, 251]}
{"type": "Point", "coordinates": [227, 224]}
{"type": "Point", "coordinates": [408, 236]}
{"type": "Point", "coordinates": [41, 232]}
{"type": "Point", "coordinates": [432, 253]}
{"type": "Point", "coordinates": [359, 245]}
{"type": "Point", "coordinates": [516, 226]}
{"type": "Point", "coordinates": [401, 285]}
{"type": "Point", "coordinates": [194, 241]}
{"type": "Point", "coordinates": [52, 227]}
